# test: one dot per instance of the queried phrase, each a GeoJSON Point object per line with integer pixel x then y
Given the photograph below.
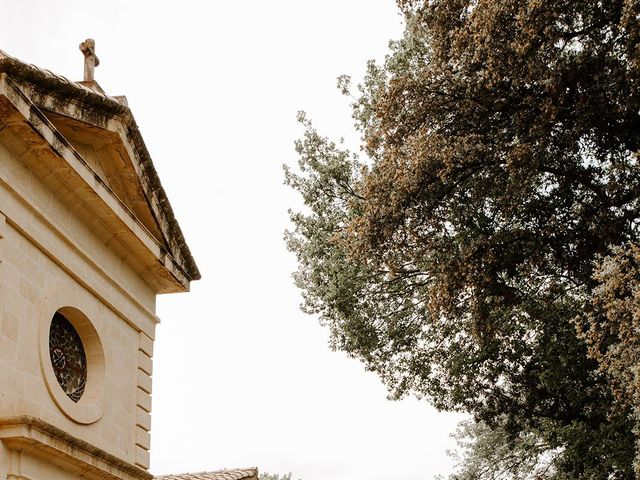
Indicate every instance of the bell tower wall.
{"type": "Point", "coordinates": [57, 256]}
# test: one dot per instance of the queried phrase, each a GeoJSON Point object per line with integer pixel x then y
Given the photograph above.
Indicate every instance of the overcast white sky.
{"type": "Point", "coordinates": [241, 376]}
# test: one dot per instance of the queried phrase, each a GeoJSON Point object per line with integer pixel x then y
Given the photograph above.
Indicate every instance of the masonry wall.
{"type": "Point", "coordinates": [50, 257]}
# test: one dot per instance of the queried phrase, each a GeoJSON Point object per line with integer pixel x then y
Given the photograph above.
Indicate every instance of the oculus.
{"type": "Point", "coordinates": [68, 357]}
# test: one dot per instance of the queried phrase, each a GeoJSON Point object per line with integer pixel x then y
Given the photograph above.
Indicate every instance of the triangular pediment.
{"type": "Point", "coordinates": [99, 146]}
{"type": "Point", "coordinates": [108, 156]}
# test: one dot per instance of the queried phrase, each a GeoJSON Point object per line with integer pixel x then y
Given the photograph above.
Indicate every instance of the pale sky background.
{"type": "Point", "coordinates": [241, 376]}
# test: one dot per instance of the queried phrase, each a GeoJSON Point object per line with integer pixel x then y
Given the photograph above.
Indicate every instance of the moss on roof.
{"type": "Point", "coordinates": [109, 106]}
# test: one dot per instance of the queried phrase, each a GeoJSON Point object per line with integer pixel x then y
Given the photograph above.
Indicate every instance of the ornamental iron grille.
{"type": "Point", "coordinates": [67, 357]}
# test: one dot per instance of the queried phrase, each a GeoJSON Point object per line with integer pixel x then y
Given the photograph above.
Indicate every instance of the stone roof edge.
{"type": "Point", "coordinates": [75, 442]}
{"type": "Point", "coordinates": [111, 107]}
{"type": "Point", "coordinates": [154, 180]}
{"type": "Point", "coordinates": [253, 470]}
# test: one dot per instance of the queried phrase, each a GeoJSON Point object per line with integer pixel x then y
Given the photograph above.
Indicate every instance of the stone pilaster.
{"type": "Point", "coordinates": [143, 400]}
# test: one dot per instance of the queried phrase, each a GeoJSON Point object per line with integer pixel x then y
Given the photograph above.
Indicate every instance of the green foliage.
{"type": "Point", "coordinates": [612, 324]}
{"type": "Point", "coordinates": [458, 257]}
{"type": "Point", "coordinates": [484, 454]}
{"type": "Point", "coordinates": [274, 476]}
{"type": "Point", "coordinates": [495, 453]}
{"type": "Point", "coordinates": [613, 321]}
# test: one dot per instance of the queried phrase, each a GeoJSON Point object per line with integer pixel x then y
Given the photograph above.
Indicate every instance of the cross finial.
{"type": "Point", "coordinates": [88, 48]}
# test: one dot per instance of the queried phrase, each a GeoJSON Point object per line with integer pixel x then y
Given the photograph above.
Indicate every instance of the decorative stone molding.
{"type": "Point", "coordinates": [39, 438]}
{"type": "Point", "coordinates": [143, 400]}
{"type": "Point", "coordinates": [91, 406]}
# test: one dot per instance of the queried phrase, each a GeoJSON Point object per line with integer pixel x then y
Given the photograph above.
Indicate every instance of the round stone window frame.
{"type": "Point", "coordinates": [91, 406]}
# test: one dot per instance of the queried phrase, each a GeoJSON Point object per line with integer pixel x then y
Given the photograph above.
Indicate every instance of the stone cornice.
{"type": "Point", "coordinates": [101, 105]}
{"type": "Point", "coordinates": [73, 169]}
{"type": "Point", "coordinates": [26, 433]}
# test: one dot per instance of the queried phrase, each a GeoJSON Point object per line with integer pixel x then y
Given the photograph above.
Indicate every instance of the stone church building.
{"type": "Point", "coordinates": [87, 240]}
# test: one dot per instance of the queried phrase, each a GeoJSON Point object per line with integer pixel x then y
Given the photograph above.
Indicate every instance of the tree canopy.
{"type": "Point", "coordinates": [480, 251]}
{"type": "Point", "coordinates": [275, 476]}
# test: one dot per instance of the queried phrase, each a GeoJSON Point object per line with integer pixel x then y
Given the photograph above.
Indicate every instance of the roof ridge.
{"type": "Point", "coordinates": [31, 72]}
{"type": "Point", "coordinates": [248, 471]}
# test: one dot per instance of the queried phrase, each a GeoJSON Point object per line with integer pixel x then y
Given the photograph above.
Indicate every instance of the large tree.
{"type": "Point", "coordinates": [456, 256]}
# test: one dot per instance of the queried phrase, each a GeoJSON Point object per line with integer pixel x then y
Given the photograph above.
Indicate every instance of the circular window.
{"type": "Point", "coordinates": [68, 357]}
{"type": "Point", "coordinates": [72, 358]}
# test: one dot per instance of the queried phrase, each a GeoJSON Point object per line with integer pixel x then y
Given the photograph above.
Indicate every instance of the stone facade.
{"type": "Point", "coordinates": [85, 231]}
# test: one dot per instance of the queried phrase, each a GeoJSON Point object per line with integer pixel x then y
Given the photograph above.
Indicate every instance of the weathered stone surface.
{"type": "Point", "coordinates": [86, 231]}
{"type": "Point", "coordinates": [239, 474]}
{"type": "Point", "coordinates": [78, 102]}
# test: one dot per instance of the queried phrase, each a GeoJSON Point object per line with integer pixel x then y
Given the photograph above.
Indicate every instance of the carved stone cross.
{"type": "Point", "coordinates": [91, 61]}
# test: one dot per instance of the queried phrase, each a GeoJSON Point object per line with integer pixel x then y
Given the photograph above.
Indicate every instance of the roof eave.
{"type": "Point", "coordinates": [109, 107]}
